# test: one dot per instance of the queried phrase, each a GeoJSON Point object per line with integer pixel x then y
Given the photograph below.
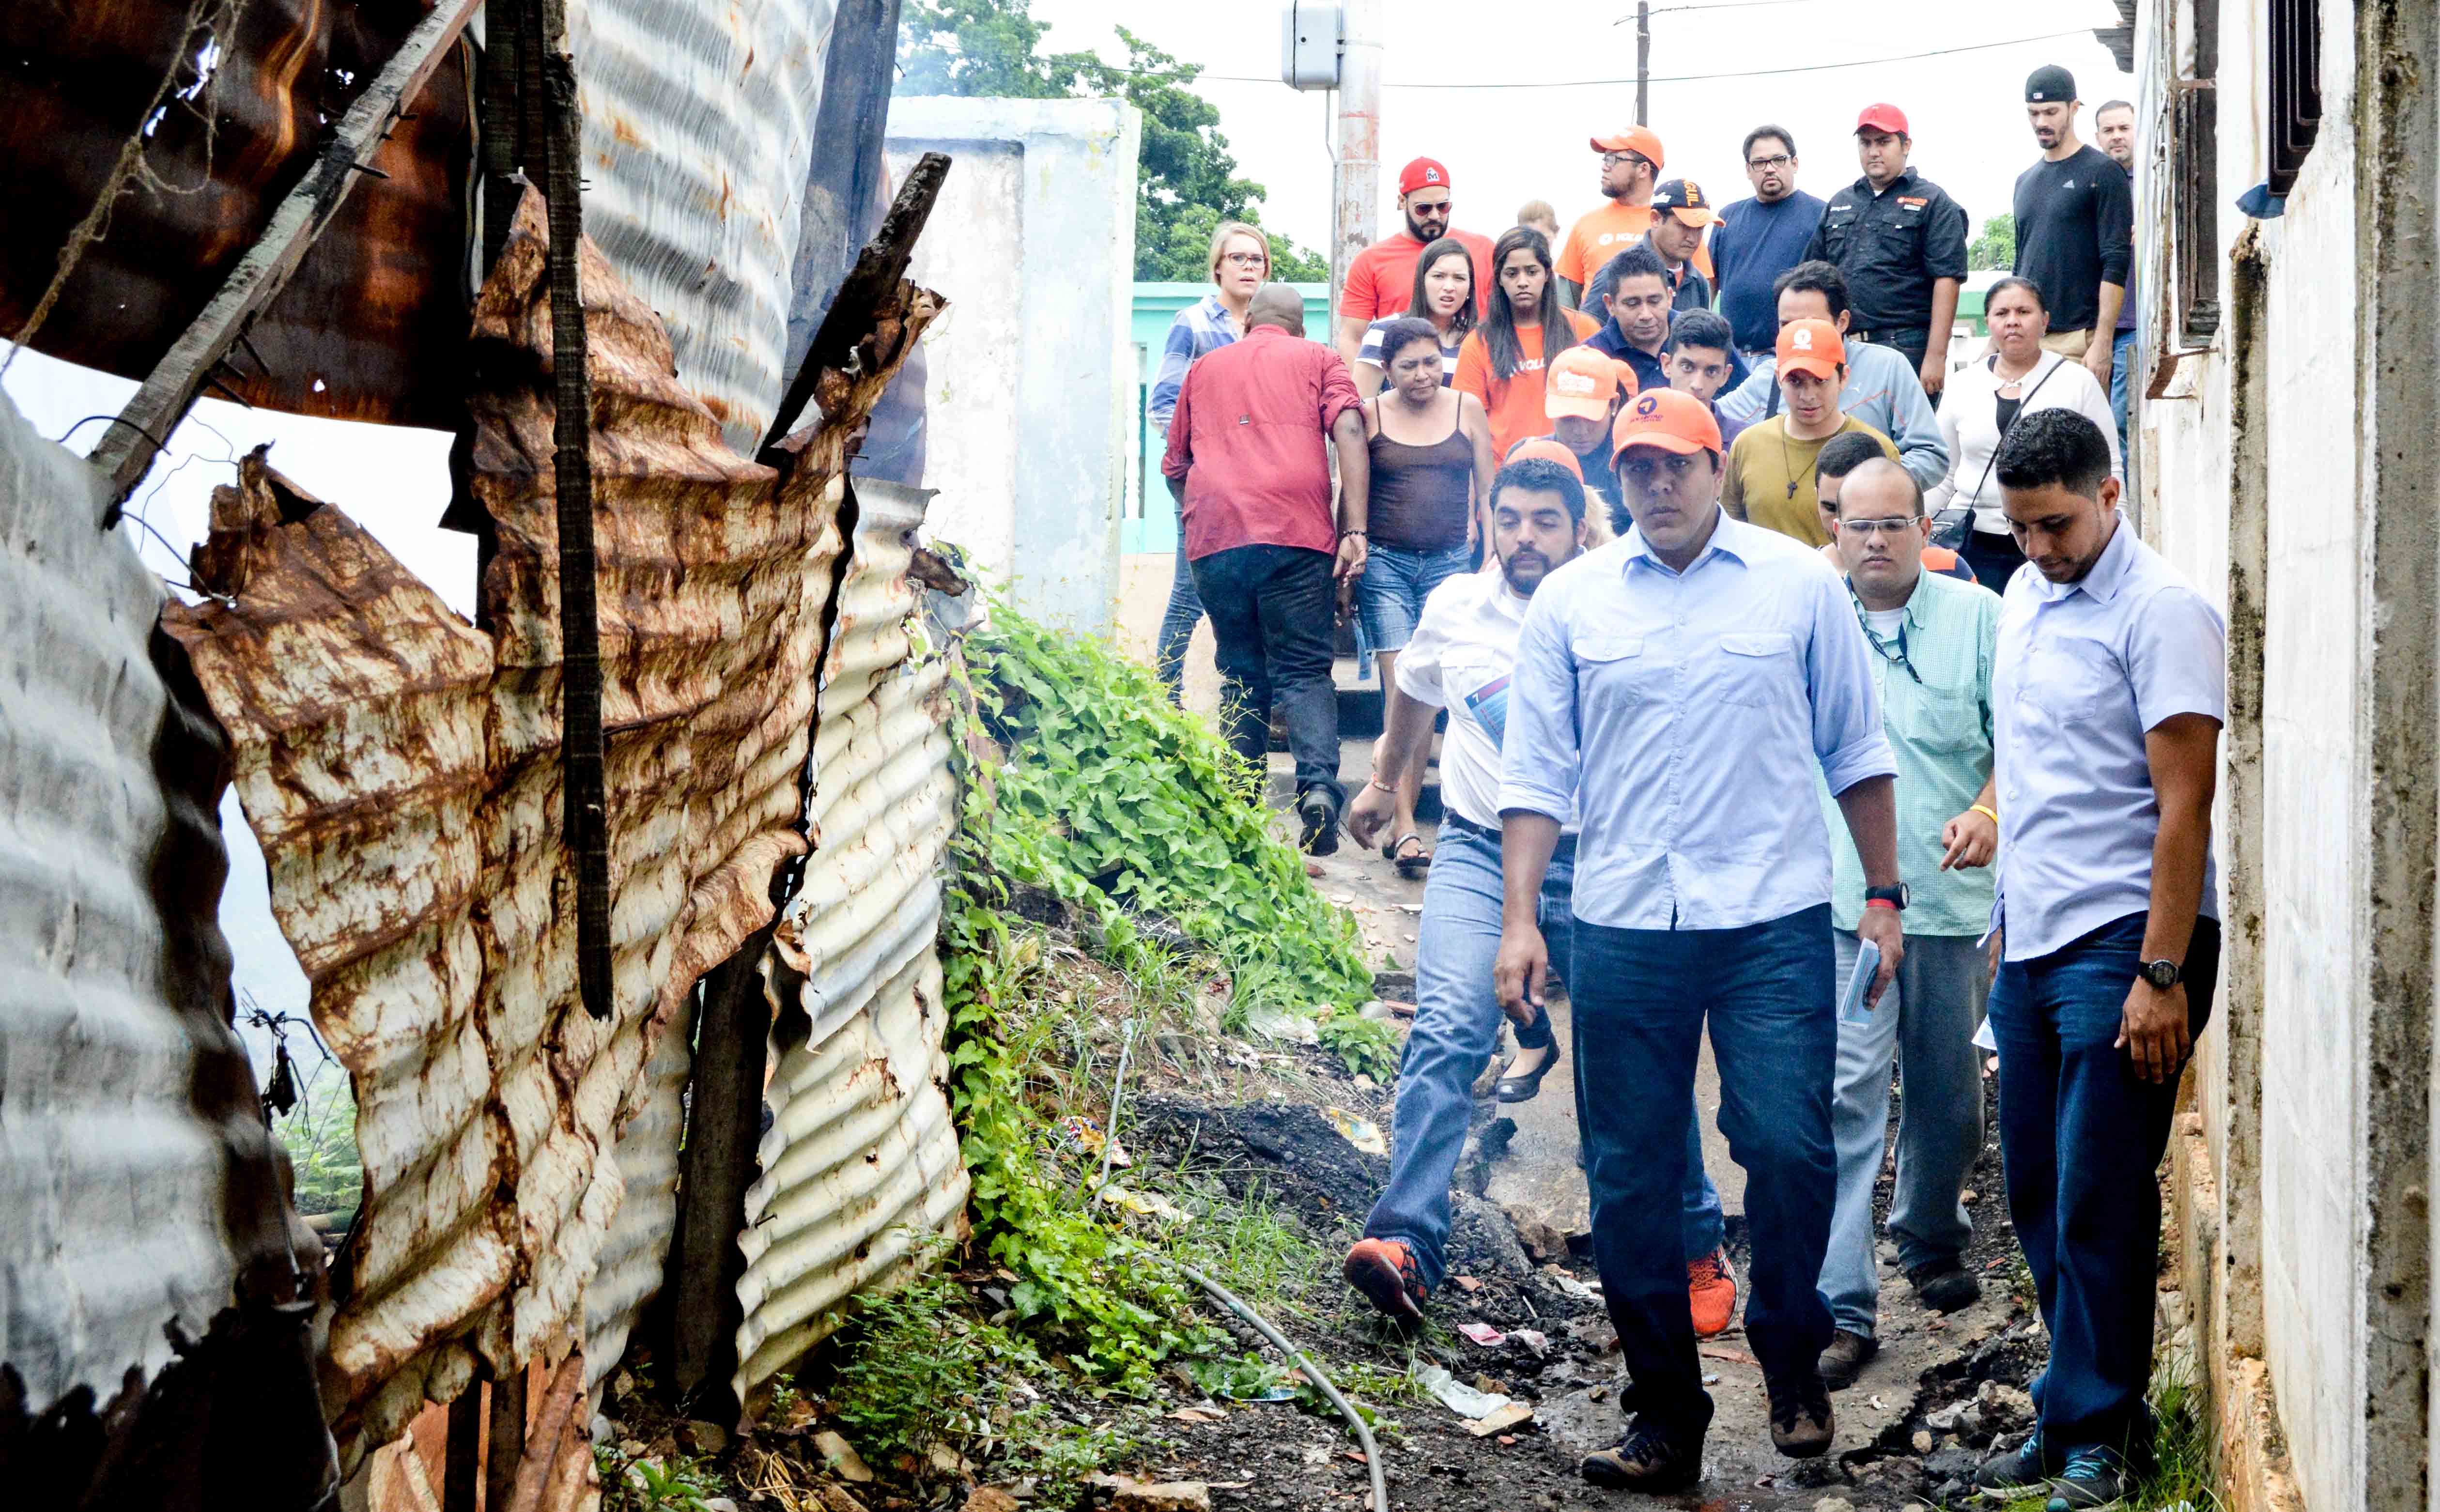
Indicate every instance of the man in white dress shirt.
{"type": "Point", "coordinates": [2110, 690]}
{"type": "Point", "coordinates": [1680, 688]}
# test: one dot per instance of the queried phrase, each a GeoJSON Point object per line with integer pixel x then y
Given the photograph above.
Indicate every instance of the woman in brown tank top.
{"type": "Point", "coordinates": [1424, 514]}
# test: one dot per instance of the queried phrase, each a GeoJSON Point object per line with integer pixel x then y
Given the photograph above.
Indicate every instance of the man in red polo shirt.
{"type": "Point", "coordinates": [1252, 474]}
{"type": "Point", "coordinates": [1382, 279]}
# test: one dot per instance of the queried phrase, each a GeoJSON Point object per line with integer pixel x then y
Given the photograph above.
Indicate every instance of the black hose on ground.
{"type": "Point", "coordinates": [1312, 1372]}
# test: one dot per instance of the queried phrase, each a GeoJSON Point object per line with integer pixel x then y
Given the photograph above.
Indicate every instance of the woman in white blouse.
{"type": "Point", "coordinates": [1982, 403]}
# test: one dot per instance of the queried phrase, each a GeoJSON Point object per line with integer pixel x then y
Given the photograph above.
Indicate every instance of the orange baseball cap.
{"type": "Point", "coordinates": [1811, 346]}
{"type": "Point", "coordinates": [1668, 419]}
{"type": "Point", "coordinates": [1583, 383]}
{"type": "Point", "coordinates": [1545, 449]}
{"type": "Point", "coordinates": [1639, 140]}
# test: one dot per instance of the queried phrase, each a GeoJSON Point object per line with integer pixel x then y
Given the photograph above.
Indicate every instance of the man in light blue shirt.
{"type": "Point", "coordinates": [2110, 689]}
{"type": "Point", "coordinates": [1881, 389]}
{"type": "Point", "coordinates": [1682, 689]}
{"type": "Point", "coordinates": [1936, 637]}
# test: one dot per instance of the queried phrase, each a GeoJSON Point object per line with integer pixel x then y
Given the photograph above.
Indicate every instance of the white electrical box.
{"type": "Point", "coordinates": [1309, 54]}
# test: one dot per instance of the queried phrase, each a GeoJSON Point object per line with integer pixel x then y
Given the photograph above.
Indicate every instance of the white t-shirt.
{"type": "Point", "coordinates": [1460, 658]}
{"type": "Point", "coordinates": [1885, 621]}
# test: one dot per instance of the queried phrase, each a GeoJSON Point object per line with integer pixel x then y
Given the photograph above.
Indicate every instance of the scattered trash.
{"type": "Point", "coordinates": [1361, 1132]}
{"type": "Point", "coordinates": [1273, 1022]}
{"type": "Point", "coordinates": [841, 1457]}
{"type": "Point", "coordinates": [1568, 1286]}
{"type": "Point", "coordinates": [1342, 898]}
{"type": "Point", "coordinates": [1087, 1139]}
{"type": "Point", "coordinates": [1200, 1414]}
{"type": "Point", "coordinates": [1410, 908]}
{"type": "Point", "coordinates": [1148, 1204]}
{"type": "Point", "coordinates": [1734, 1356]}
{"type": "Point", "coordinates": [1467, 1283]}
{"type": "Point", "coordinates": [1711, 1377]}
{"type": "Point", "coordinates": [1458, 1396]}
{"type": "Point", "coordinates": [1533, 1339]}
{"type": "Point", "coordinates": [1507, 1416]}
{"type": "Point", "coordinates": [1877, 1407]}
{"type": "Point", "coordinates": [1483, 1334]}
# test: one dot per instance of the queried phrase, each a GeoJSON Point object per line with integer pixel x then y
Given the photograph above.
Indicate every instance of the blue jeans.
{"type": "Point", "coordinates": [1926, 1023]}
{"type": "Point", "coordinates": [1178, 621]}
{"type": "Point", "coordinates": [1457, 1026]}
{"type": "Point", "coordinates": [1389, 596]}
{"type": "Point", "coordinates": [2121, 357]}
{"type": "Point", "coordinates": [2082, 1136]}
{"type": "Point", "coordinates": [1640, 1001]}
{"type": "Point", "coordinates": [1273, 614]}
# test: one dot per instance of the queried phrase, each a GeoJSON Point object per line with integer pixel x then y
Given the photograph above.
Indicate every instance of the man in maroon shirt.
{"type": "Point", "coordinates": [1249, 464]}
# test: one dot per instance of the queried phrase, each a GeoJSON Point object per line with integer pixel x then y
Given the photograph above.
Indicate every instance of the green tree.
{"type": "Point", "coordinates": [1186, 177]}
{"type": "Point", "coordinates": [1995, 247]}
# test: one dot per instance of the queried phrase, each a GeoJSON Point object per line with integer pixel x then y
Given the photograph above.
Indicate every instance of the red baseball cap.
{"type": "Point", "coordinates": [1883, 119]}
{"type": "Point", "coordinates": [1546, 449]}
{"type": "Point", "coordinates": [1424, 173]}
{"type": "Point", "coordinates": [1674, 422]}
{"type": "Point", "coordinates": [1639, 140]}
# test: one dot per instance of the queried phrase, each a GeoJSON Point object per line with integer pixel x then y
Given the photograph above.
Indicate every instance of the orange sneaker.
{"type": "Point", "coordinates": [1712, 1289]}
{"type": "Point", "coordinates": [1385, 1272]}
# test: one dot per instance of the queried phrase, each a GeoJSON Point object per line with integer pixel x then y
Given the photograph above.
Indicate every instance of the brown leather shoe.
{"type": "Point", "coordinates": [1845, 1359]}
{"type": "Point", "coordinates": [1802, 1424]}
{"type": "Point", "coordinates": [1647, 1459]}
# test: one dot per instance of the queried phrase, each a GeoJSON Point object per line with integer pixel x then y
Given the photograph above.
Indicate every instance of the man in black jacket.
{"type": "Point", "coordinates": [2075, 227]}
{"type": "Point", "coordinates": [1900, 240]}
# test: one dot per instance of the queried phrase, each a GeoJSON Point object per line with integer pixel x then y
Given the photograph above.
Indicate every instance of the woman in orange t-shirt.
{"type": "Point", "coordinates": [1501, 361]}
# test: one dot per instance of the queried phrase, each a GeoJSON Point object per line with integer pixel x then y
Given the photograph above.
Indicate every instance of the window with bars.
{"type": "Point", "coordinates": [2295, 115]}
{"type": "Point", "coordinates": [2194, 197]}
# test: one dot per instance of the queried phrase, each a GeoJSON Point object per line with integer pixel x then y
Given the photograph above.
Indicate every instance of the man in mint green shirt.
{"type": "Point", "coordinates": [1935, 639]}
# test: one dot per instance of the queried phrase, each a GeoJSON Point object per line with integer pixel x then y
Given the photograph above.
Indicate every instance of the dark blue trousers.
{"type": "Point", "coordinates": [2082, 1136]}
{"type": "Point", "coordinates": [1640, 1001]}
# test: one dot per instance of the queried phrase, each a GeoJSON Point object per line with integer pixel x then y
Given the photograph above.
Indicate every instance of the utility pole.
{"type": "Point", "coordinates": [1643, 62]}
{"type": "Point", "coordinates": [1355, 180]}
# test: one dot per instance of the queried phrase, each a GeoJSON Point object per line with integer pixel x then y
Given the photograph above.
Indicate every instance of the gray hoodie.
{"type": "Point", "coordinates": [1882, 392]}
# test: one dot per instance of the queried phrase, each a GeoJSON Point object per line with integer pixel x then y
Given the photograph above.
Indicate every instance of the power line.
{"type": "Point", "coordinates": [1671, 78]}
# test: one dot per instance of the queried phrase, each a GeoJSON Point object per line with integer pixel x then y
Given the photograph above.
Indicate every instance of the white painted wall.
{"type": "Point", "coordinates": [1032, 378]}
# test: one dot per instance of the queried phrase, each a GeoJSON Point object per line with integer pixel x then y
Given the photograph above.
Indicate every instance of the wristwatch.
{"type": "Point", "coordinates": [2163, 974]}
{"type": "Point", "coordinates": [1897, 897]}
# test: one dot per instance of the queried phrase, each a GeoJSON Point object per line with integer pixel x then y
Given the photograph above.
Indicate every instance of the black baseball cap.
{"type": "Point", "coordinates": [2049, 82]}
{"type": "Point", "coordinates": [1684, 197]}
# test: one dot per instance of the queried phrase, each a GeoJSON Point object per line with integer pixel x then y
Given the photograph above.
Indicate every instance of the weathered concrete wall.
{"type": "Point", "coordinates": [2287, 470]}
{"type": "Point", "coordinates": [1032, 381]}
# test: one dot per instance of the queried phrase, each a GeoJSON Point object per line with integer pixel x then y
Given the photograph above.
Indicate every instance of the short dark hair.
{"type": "Point", "coordinates": [1815, 277]}
{"type": "Point", "coordinates": [1403, 332]}
{"type": "Point", "coordinates": [1745, 154]}
{"type": "Point", "coordinates": [2054, 447]}
{"type": "Point", "coordinates": [1539, 475]}
{"type": "Point", "coordinates": [1635, 263]}
{"type": "Point", "coordinates": [2126, 105]}
{"type": "Point", "coordinates": [1845, 452]}
{"type": "Point", "coordinates": [1991, 295]}
{"type": "Point", "coordinates": [1700, 328]}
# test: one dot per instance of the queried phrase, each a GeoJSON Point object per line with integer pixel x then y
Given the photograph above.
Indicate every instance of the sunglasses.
{"type": "Point", "coordinates": [1439, 210]}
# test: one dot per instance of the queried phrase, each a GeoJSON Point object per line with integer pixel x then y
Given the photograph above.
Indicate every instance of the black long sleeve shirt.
{"type": "Point", "coordinates": [2076, 231]}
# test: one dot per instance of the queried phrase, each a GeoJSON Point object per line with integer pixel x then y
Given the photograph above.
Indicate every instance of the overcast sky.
{"type": "Point", "coordinates": [1511, 135]}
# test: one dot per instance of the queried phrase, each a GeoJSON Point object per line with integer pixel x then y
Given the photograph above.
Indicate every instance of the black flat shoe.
{"type": "Point", "coordinates": [1526, 1087]}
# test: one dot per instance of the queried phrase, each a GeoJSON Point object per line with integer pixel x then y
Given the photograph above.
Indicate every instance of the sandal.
{"type": "Point", "coordinates": [1408, 867]}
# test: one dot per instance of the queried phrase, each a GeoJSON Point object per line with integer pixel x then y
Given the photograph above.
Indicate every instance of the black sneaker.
{"type": "Point", "coordinates": [1648, 1458]}
{"type": "Point", "coordinates": [1802, 1424]}
{"type": "Point", "coordinates": [1944, 1286]}
{"type": "Point", "coordinates": [2094, 1477]}
{"type": "Point", "coordinates": [1846, 1357]}
{"type": "Point", "coordinates": [2020, 1471]}
{"type": "Point", "coordinates": [1319, 817]}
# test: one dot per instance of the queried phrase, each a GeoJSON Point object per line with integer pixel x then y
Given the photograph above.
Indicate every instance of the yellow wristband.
{"type": "Point", "coordinates": [1979, 809]}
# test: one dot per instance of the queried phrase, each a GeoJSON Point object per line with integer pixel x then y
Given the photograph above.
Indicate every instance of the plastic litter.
{"type": "Point", "coordinates": [1458, 1396]}
{"type": "Point", "coordinates": [1483, 1334]}
{"type": "Point", "coordinates": [1361, 1132]}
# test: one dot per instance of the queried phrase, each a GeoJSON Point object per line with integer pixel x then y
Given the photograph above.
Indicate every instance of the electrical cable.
{"type": "Point", "coordinates": [1313, 1373]}
{"type": "Point", "coordinates": [1657, 79]}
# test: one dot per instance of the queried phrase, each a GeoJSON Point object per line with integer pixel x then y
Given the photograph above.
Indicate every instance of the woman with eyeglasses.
{"type": "Point", "coordinates": [1241, 261]}
{"type": "Point", "coordinates": [1444, 296]}
{"type": "Point", "coordinates": [1985, 402]}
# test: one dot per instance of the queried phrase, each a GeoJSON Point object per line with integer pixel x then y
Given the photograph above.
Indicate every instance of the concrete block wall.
{"type": "Point", "coordinates": [1030, 372]}
{"type": "Point", "coordinates": [2288, 470]}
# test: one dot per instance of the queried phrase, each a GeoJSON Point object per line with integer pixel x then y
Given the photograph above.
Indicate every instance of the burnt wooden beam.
{"type": "Point", "coordinates": [126, 452]}
{"type": "Point", "coordinates": [843, 190]}
{"type": "Point", "coordinates": [862, 296]}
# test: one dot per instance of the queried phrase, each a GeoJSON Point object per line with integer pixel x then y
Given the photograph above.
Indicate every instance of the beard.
{"type": "Point", "coordinates": [1426, 231]}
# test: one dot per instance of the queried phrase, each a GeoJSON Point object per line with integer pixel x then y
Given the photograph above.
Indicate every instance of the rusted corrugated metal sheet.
{"type": "Point", "coordinates": [139, 1186]}
{"type": "Point", "coordinates": [862, 1155]}
{"type": "Point", "coordinates": [636, 1249]}
{"type": "Point", "coordinates": [698, 138]}
{"type": "Point", "coordinates": [373, 325]}
{"type": "Point", "coordinates": [400, 770]}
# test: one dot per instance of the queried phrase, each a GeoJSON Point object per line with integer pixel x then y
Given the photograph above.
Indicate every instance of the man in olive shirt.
{"type": "Point", "coordinates": [1901, 242]}
{"type": "Point", "coordinates": [1768, 478]}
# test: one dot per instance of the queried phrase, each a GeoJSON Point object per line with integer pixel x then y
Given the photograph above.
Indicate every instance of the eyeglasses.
{"type": "Point", "coordinates": [1866, 529]}
{"type": "Point", "coordinates": [1441, 208]}
{"type": "Point", "coordinates": [1781, 161]}
{"type": "Point", "coordinates": [1613, 159]}
{"type": "Point", "coordinates": [1246, 260]}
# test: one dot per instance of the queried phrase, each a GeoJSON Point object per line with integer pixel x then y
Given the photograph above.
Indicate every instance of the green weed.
{"type": "Point", "coordinates": [676, 1483]}
{"type": "Point", "coordinates": [320, 1136]}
